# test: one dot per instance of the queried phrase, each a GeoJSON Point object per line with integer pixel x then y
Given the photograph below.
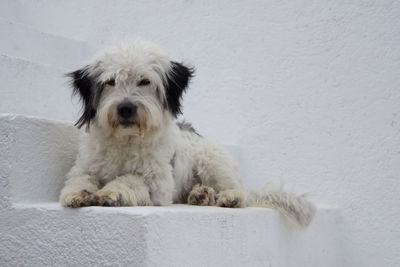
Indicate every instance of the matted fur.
{"type": "Point", "coordinates": [132, 152]}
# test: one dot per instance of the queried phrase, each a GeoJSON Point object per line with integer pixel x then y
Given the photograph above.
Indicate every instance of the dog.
{"type": "Point", "coordinates": [132, 151]}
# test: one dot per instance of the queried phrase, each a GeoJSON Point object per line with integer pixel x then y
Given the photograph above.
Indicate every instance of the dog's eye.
{"type": "Point", "coordinates": [144, 82]}
{"type": "Point", "coordinates": [111, 82]}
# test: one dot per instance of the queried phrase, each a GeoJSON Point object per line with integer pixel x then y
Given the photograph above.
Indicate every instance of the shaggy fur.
{"type": "Point", "coordinates": [132, 151]}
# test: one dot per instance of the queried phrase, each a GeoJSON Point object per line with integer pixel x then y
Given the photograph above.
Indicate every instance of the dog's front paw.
{"type": "Point", "coordinates": [231, 199]}
{"type": "Point", "coordinates": [108, 198]}
{"type": "Point", "coordinates": [201, 195]}
{"type": "Point", "coordinates": [78, 199]}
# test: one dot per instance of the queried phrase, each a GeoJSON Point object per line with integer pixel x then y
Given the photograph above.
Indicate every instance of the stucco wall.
{"type": "Point", "coordinates": [310, 90]}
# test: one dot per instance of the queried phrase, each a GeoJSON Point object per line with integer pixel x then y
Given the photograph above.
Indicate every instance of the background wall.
{"type": "Point", "coordinates": [310, 91]}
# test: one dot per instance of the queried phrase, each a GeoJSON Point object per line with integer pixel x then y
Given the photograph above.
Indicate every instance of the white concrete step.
{"type": "Point", "coordinates": [35, 89]}
{"type": "Point", "coordinates": [21, 41]}
{"type": "Point", "coordinates": [35, 230]}
{"type": "Point", "coordinates": [179, 235]}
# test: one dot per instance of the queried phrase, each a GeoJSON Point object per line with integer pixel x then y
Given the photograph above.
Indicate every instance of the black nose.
{"type": "Point", "coordinates": [126, 110]}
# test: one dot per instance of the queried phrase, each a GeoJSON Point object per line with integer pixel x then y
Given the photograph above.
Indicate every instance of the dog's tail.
{"type": "Point", "coordinates": [295, 207]}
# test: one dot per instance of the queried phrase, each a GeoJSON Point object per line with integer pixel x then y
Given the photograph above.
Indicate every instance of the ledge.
{"type": "Point", "coordinates": [35, 230]}
{"type": "Point", "coordinates": [178, 235]}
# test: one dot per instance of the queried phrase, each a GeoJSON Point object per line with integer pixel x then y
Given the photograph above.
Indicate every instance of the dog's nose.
{"type": "Point", "coordinates": [126, 110]}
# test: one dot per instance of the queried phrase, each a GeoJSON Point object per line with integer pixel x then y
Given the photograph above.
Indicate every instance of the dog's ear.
{"type": "Point", "coordinates": [83, 85]}
{"type": "Point", "coordinates": [176, 83]}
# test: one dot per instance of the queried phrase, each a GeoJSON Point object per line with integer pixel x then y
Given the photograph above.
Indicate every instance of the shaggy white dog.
{"type": "Point", "coordinates": [133, 152]}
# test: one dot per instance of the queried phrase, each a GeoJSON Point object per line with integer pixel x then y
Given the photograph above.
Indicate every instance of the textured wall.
{"type": "Point", "coordinates": [310, 90]}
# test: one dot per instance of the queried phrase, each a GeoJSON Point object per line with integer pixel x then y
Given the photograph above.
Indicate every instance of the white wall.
{"type": "Point", "coordinates": [309, 89]}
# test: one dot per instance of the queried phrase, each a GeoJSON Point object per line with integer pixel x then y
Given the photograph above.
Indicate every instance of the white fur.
{"type": "Point", "coordinates": [154, 162]}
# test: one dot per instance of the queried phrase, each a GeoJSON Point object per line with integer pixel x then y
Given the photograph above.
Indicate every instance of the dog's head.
{"type": "Point", "coordinates": [130, 89]}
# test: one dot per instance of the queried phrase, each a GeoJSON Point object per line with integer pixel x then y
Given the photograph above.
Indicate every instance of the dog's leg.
{"type": "Point", "coordinates": [126, 190]}
{"type": "Point", "coordinates": [216, 169]}
{"type": "Point", "coordinates": [158, 177]}
{"type": "Point", "coordinates": [233, 198]}
{"type": "Point", "coordinates": [162, 187]}
{"type": "Point", "coordinates": [201, 195]}
{"type": "Point", "coordinates": [78, 191]}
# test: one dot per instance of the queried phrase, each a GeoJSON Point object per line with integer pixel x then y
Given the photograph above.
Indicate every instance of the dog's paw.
{"type": "Point", "coordinates": [201, 195]}
{"type": "Point", "coordinates": [78, 199]}
{"type": "Point", "coordinates": [231, 199]}
{"type": "Point", "coordinates": [108, 198]}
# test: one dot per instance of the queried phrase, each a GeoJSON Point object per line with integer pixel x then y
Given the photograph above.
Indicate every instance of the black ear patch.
{"type": "Point", "coordinates": [83, 86]}
{"type": "Point", "coordinates": [177, 82]}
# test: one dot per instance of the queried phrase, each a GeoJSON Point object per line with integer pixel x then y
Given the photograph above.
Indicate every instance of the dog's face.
{"type": "Point", "coordinates": [130, 90]}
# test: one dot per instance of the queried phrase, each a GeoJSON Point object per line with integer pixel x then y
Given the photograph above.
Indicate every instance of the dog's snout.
{"type": "Point", "coordinates": [126, 110]}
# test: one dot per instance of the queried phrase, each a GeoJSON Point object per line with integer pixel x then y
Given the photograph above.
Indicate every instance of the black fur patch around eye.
{"type": "Point", "coordinates": [176, 84]}
{"type": "Point", "coordinates": [82, 85]}
{"type": "Point", "coordinates": [111, 82]}
{"type": "Point", "coordinates": [144, 82]}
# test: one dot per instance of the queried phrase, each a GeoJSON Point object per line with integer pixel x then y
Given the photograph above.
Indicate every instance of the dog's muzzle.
{"type": "Point", "coordinates": [127, 113]}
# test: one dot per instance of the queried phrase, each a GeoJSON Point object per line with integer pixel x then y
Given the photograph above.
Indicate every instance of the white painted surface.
{"type": "Point", "coordinates": [36, 154]}
{"type": "Point", "coordinates": [35, 230]}
{"type": "Point", "coordinates": [35, 89]}
{"type": "Point", "coordinates": [309, 90]}
{"type": "Point", "coordinates": [29, 44]}
{"type": "Point", "coordinates": [48, 235]}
